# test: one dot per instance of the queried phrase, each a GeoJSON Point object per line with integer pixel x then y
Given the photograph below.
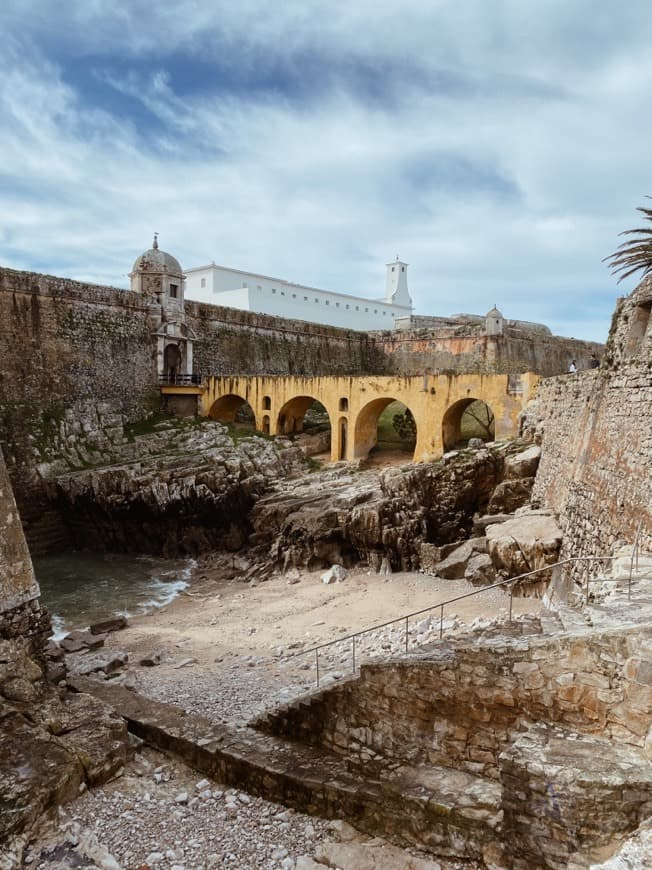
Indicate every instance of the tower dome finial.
{"type": "Point", "coordinates": [155, 242]}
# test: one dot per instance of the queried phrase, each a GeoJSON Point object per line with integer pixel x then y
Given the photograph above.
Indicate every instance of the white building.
{"type": "Point", "coordinates": [260, 293]}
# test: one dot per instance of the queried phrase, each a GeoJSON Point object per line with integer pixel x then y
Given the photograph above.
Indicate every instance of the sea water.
{"type": "Point", "coordinates": [80, 588]}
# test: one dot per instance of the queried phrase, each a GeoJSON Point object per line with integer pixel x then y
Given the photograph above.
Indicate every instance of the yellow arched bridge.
{"type": "Point", "coordinates": [354, 404]}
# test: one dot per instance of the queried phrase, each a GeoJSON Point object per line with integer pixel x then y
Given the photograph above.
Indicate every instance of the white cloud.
{"type": "Point", "coordinates": [499, 148]}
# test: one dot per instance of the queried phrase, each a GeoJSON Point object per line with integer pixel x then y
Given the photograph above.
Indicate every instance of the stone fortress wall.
{"type": "Point", "coordinates": [596, 464]}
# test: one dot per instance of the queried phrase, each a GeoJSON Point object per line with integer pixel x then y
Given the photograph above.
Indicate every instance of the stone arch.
{"type": "Point", "coordinates": [266, 424]}
{"type": "Point", "coordinates": [366, 425]}
{"type": "Point", "coordinates": [229, 407]}
{"type": "Point", "coordinates": [173, 360]}
{"type": "Point", "coordinates": [292, 414]}
{"type": "Point", "coordinates": [466, 418]}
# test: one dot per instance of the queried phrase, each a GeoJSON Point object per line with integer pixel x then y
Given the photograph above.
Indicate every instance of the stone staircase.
{"type": "Point", "coordinates": [446, 811]}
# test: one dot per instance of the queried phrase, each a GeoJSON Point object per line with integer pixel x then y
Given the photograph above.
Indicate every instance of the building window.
{"type": "Point", "coordinates": [282, 292]}
{"type": "Point", "coordinates": [402, 268]}
{"type": "Point", "coordinates": [273, 289]}
{"type": "Point", "coordinates": [344, 404]}
{"type": "Point", "coordinates": [174, 291]}
{"type": "Point", "coordinates": [327, 302]}
{"type": "Point", "coordinates": [392, 268]}
{"type": "Point", "coordinates": [316, 300]}
{"type": "Point", "coordinates": [294, 295]}
{"type": "Point", "coordinates": [384, 313]}
{"type": "Point", "coordinates": [203, 282]}
{"type": "Point", "coordinates": [305, 298]}
{"type": "Point", "coordinates": [366, 311]}
{"type": "Point", "coordinates": [347, 307]}
{"type": "Point", "coordinates": [337, 304]}
{"type": "Point", "coordinates": [267, 403]}
{"type": "Point", "coordinates": [357, 308]}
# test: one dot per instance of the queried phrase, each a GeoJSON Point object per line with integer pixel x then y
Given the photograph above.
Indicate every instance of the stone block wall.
{"type": "Point", "coordinates": [468, 349]}
{"type": "Point", "coordinates": [597, 439]}
{"type": "Point", "coordinates": [464, 703]}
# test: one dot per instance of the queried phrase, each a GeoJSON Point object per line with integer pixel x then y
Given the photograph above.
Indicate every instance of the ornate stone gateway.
{"type": "Point", "coordinates": [354, 404]}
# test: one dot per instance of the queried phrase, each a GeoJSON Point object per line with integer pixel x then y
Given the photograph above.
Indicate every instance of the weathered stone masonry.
{"type": "Point", "coordinates": [597, 438]}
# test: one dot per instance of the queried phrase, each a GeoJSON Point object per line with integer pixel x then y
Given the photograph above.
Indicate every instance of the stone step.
{"type": "Point", "coordinates": [447, 811]}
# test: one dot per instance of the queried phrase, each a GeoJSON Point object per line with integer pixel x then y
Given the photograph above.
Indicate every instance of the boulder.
{"type": "Point", "coordinates": [114, 623]}
{"type": "Point", "coordinates": [109, 662]}
{"type": "Point", "coordinates": [454, 566]}
{"type": "Point", "coordinates": [480, 570]}
{"type": "Point", "coordinates": [335, 574]}
{"type": "Point", "coordinates": [524, 544]}
{"type": "Point", "coordinates": [510, 495]}
{"type": "Point", "coordinates": [523, 464]}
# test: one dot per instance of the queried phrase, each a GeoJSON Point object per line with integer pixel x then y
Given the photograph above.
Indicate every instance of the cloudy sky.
{"type": "Point", "coordinates": [499, 146]}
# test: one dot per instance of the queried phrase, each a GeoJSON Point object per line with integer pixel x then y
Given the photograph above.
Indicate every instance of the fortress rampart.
{"type": "Point", "coordinates": [596, 465]}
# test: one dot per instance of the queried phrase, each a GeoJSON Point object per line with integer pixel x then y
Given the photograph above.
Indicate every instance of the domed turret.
{"type": "Point", "coordinates": [494, 322]}
{"type": "Point", "coordinates": [159, 276]}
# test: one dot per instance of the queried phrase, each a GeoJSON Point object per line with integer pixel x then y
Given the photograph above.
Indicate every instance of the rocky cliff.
{"type": "Point", "coordinates": [166, 486]}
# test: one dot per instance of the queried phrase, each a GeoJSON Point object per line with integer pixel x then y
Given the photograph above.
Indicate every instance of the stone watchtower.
{"type": "Point", "coordinates": [396, 289]}
{"type": "Point", "coordinates": [158, 277]}
{"type": "Point", "coordinates": [494, 322]}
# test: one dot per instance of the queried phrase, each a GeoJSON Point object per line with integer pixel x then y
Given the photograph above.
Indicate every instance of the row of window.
{"type": "Point", "coordinates": [305, 298]}
{"type": "Point", "coordinates": [326, 301]}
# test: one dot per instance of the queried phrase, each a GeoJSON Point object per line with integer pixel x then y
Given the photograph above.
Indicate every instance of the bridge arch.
{"type": "Point", "coordinates": [230, 407]}
{"type": "Point", "coordinates": [467, 418]}
{"type": "Point", "coordinates": [366, 425]}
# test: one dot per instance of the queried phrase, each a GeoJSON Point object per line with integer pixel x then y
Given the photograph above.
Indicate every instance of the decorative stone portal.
{"type": "Point", "coordinates": [437, 402]}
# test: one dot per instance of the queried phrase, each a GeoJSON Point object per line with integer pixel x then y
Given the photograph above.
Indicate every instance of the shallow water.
{"type": "Point", "coordinates": [79, 588]}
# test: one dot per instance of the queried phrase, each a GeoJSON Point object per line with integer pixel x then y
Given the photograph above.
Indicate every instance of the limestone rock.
{"type": "Point", "coordinates": [480, 570]}
{"type": "Point", "coordinates": [335, 574]}
{"type": "Point", "coordinates": [109, 662]}
{"type": "Point", "coordinates": [510, 495]}
{"type": "Point", "coordinates": [454, 566]}
{"type": "Point", "coordinates": [114, 623]}
{"type": "Point", "coordinates": [524, 544]}
{"type": "Point", "coordinates": [523, 464]}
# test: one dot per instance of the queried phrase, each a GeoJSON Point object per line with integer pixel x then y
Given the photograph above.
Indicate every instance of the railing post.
{"type": "Point", "coordinates": [353, 639]}
{"type": "Point", "coordinates": [317, 663]}
{"type": "Point", "coordinates": [441, 622]}
{"type": "Point", "coordinates": [406, 633]}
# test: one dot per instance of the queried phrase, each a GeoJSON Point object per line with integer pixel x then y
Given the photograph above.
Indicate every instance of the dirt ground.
{"type": "Point", "coordinates": [217, 621]}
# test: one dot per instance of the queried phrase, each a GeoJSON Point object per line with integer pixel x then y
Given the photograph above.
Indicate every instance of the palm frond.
{"type": "Point", "coordinates": [633, 255]}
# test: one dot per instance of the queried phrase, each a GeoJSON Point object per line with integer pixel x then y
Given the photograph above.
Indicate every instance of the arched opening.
{"type": "Point", "coordinates": [266, 424]}
{"type": "Point", "coordinates": [172, 362]}
{"type": "Point", "coordinates": [344, 404]}
{"type": "Point", "coordinates": [466, 419]}
{"type": "Point", "coordinates": [343, 429]}
{"type": "Point", "coordinates": [267, 403]}
{"type": "Point", "coordinates": [385, 431]}
{"type": "Point", "coordinates": [233, 410]}
{"type": "Point", "coordinates": [307, 422]}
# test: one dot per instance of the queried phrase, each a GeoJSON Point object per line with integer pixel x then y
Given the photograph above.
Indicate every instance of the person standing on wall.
{"type": "Point", "coordinates": [594, 362]}
{"type": "Point", "coordinates": [572, 368]}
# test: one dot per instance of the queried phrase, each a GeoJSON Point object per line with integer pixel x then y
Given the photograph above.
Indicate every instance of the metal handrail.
{"type": "Point", "coordinates": [511, 580]}
{"type": "Point", "coordinates": [180, 380]}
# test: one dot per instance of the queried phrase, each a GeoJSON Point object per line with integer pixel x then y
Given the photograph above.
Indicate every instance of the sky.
{"type": "Point", "coordinates": [497, 146]}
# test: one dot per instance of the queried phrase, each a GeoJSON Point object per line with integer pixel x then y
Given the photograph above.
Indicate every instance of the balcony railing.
{"type": "Point", "coordinates": [179, 380]}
